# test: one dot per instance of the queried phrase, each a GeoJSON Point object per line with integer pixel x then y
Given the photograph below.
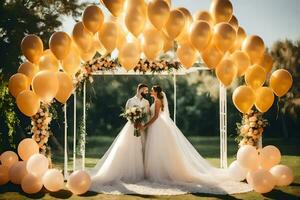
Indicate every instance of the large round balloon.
{"type": "Point", "coordinates": [200, 34]}
{"type": "Point", "coordinates": [92, 18]}
{"type": "Point", "coordinates": [4, 175]}
{"type": "Point", "coordinates": [262, 181]}
{"type": "Point", "coordinates": [108, 35]}
{"type": "Point", "coordinates": [221, 10]}
{"type": "Point", "coordinates": [89, 55]}
{"type": "Point", "coordinates": [28, 69]}
{"type": "Point", "coordinates": [266, 62]}
{"type": "Point", "coordinates": [175, 23]}
{"type": "Point", "coordinates": [31, 184]}
{"type": "Point", "coordinates": [240, 37]}
{"type": "Point", "coordinates": [204, 16]}
{"type": "Point", "coordinates": [255, 48]}
{"type": "Point", "coordinates": [17, 172]}
{"type": "Point", "coordinates": [32, 48]}
{"type": "Point", "coordinates": [115, 7]}
{"type": "Point", "coordinates": [226, 71]}
{"type": "Point", "coordinates": [45, 85]}
{"type": "Point", "coordinates": [281, 81]}
{"type": "Point", "coordinates": [269, 156]}
{"type": "Point", "coordinates": [153, 43]}
{"type": "Point", "coordinates": [48, 62]}
{"type": "Point", "coordinates": [9, 158]}
{"type": "Point", "coordinates": [28, 103]}
{"type": "Point", "coordinates": [224, 36]}
{"type": "Point", "coordinates": [184, 35]}
{"type": "Point", "coordinates": [234, 22]}
{"type": "Point", "coordinates": [264, 99]}
{"type": "Point", "coordinates": [283, 175]}
{"type": "Point", "coordinates": [211, 56]}
{"type": "Point", "coordinates": [168, 43]}
{"type": "Point", "coordinates": [26, 148]}
{"type": "Point", "coordinates": [158, 13]}
{"type": "Point", "coordinates": [37, 165]}
{"type": "Point", "coordinates": [247, 157]}
{"type": "Point", "coordinates": [53, 180]}
{"type": "Point", "coordinates": [186, 54]}
{"type": "Point", "coordinates": [135, 18]}
{"type": "Point", "coordinates": [237, 172]}
{"type": "Point", "coordinates": [79, 182]}
{"type": "Point", "coordinates": [60, 44]}
{"type": "Point", "coordinates": [129, 55]}
{"type": "Point", "coordinates": [65, 87]}
{"type": "Point", "coordinates": [243, 98]}
{"type": "Point", "coordinates": [71, 64]}
{"type": "Point", "coordinates": [18, 83]}
{"type": "Point", "coordinates": [255, 76]}
{"type": "Point", "coordinates": [242, 61]}
{"type": "Point", "coordinates": [82, 37]}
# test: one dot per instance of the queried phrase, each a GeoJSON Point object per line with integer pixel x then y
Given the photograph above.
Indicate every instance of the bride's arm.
{"type": "Point", "coordinates": [156, 114]}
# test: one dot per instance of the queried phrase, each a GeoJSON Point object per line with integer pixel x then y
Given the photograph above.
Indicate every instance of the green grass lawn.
{"type": "Point", "coordinates": [207, 146]}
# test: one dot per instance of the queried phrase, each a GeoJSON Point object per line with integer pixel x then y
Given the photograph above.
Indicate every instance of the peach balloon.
{"type": "Point", "coordinates": [108, 35]}
{"type": "Point", "coordinates": [65, 87]}
{"type": "Point", "coordinates": [153, 43]}
{"type": "Point", "coordinates": [158, 13]}
{"type": "Point", "coordinates": [224, 36]}
{"type": "Point", "coordinates": [211, 56]}
{"type": "Point", "coordinates": [71, 64]}
{"type": "Point", "coordinates": [226, 71]}
{"type": "Point", "coordinates": [204, 16]}
{"type": "Point", "coordinates": [92, 18]}
{"type": "Point", "coordinates": [266, 62]}
{"type": "Point", "coordinates": [31, 184]}
{"type": "Point", "coordinates": [28, 103]}
{"type": "Point", "coordinates": [262, 181]}
{"type": "Point", "coordinates": [237, 172]}
{"type": "Point", "coordinates": [264, 99]}
{"type": "Point", "coordinates": [175, 24]}
{"type": "Point", "coordinates": [115, 7]}
{"type": "Point", "coordinates": [200, 34]}
{"type": "Point", "coordinates": [4, 175]}
{"type": "Point", "coordinates": [53, 180]}
{"type": "Point", "coordinates": [187, 55]}
{"type": "Point", "coordinates": [79, 182]}
{"type": "Point", "coordinates": [221, 10]}
{"type": "Point", "coordinates": [129, 55]}
{"type": "Point", "coordinates": [281, 81]}
{"type": "Point", "coordinates": [17, 172]}
{"type": "Point", "coordinates": [255, 48]}
{"type": "Point", "coordinates": [82, 37]}
{"type": "Point", "coordinates": [249, 178]}
{"type": "Point", "coordinates": [242, 61]}
{"type": "Point", "coordinates": [45, 85]}
{"type": "Point", "coordinates": [255, 76]}
{"type": "Point", "coordinates": [269, 157]}
{"type": "Point", "coordinates": [32, 47]}
{"type": "Point", "coordinates": [28, 69]}
{"type": "Point", "coordinates": [37, 165]}
{"type": "Point", "coordinates": [48, 62]}
{"type": "Point", "coordinates": [284, 176]}
{"type": "Point", "coordinates": [26, 148]}
{"type": "Point", "coordinates": [18, 83]}
{"type": "Point", "coordinates": [243, 98]}
{"type": "Point", "coordinates": [60, 44]}
{"type": "Point", "coordinates": [247, 157]}
{"type": "Point", "coordinates": [9, 158]}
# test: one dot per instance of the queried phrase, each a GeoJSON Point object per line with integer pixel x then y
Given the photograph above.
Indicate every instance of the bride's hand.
{"type": "Point", "coordinates": [142, 128]}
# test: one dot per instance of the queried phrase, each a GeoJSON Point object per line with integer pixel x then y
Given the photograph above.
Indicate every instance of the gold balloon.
{"type": "Point", "coordinates": [115, 7]}
{"type": "Point", "coordinates": [242, 61]}
{"type": "Point", "coordinates": [71, 64]}
{"type": "Point", "coordinates": [187, 14]}
{"type": "Point", "coordinates": [200, 34]}
{"type": "Point", "coordinates": [82, 37]}
{"type": "Point", "coordinates": [221, 10]}
{"type": "Point", "coordinates": [187, 55]}
{"type": "Point", "coordinates": [243, 98]}
{"type": "Point", "coordinates": [98, 46]}
{"type": "Point", "coordinates": [175, 24]}
{"type": "Point", "coordinates": [65, 87]}
{"type": "Point", "coordinates": [169, 2]}
{"type": "Point", "coordinates": [28, 103]}
{"type": "Point", "coordinates": [153, 43]}
{"type": "Point", "coordinates": [121, 40]}
{"type": "Point", "coordinates": [92, 18]}
{"type": "Point", "coordinates": [18, 83]}
{"type": "Point", "coordinates": [17, 172]}
{"type": "Point", "coordinates": [266, 62]}
{"type": "Point", "coordinates": [129, 55]}
{"type": "Point", "coordinates": [32, 48]}
{"type": "Point", "coordinates": [264, 99]}
{"type": "Point", "coordinates": [135, 18]}
{"type": "Point", "coordinates": [255, 76]}
{"type": "Point", "coordinates": [281, 81]}
{"type": "Point", "coordinates": [205, 16]}
{"type": "Point", "coordinates": [4, 175]}
{"type": "Point", "coordinates": [60, 44]}
{"type": "Point", "coordinates": [226, 71]}
{"type": "Point", "coordinates": [45, 85]}
{"type": "Point", "coordinates": [108, 35]}
{"type": "Point", "coordinates": [87, 56]}
{"type": "Point", "coordinates": [224, 36]}
{"type": "Point", "coordinates": [234, 22]}
{"type": "Point", "coordinates": [241, 35]}
{"type": "Point", "coordinates": [28, 69]}
{"type": "Point", "coordinates": [211, 56]}
{"type": "Point", "coordinates": [27, 147]}
{"type": "Point", "coordinates": [48, 61]}
{"type": "Point", "coordinates": [255, 48]}
{"type": "Point", "coordinates": [158, 13]}
{"type": "Point", "coordinates": [184, 35]}
{"type": "Point", "coordinates": [168, 43]}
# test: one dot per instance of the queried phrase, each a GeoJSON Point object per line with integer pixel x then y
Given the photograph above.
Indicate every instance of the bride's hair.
{"type": "Point", "coordinates": [160, 95]}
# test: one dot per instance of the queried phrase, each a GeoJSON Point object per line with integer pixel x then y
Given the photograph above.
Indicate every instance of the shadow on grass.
{"type": "Point", "coordinates": [278, 194]}
{"type": "Point", "coordinates": [62, 194]}
{"type": "Point", "coordinates": [217, 196]}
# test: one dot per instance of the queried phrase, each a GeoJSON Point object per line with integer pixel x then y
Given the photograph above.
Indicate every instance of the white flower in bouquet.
{"type": "Point", "coordinates": [260, 122]}
{"type": "Point", "coordinates": [39, 121]}
{"type": "Point", "coordinates": [252, 124]}
{"type": "Point", "coordinates": [253, 119]}
{"type": "Point", "coordinates": [255, 132]}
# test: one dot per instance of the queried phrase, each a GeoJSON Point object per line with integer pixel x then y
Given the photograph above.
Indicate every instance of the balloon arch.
{"type": "Point", "coordinates": [138, 33]}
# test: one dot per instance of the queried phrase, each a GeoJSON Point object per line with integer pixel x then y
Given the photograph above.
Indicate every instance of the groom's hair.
{"type": "Point", "coordinates": [141, 85]}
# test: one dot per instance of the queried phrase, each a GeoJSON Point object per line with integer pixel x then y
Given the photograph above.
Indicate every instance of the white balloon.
{"type": "Point", "coordinates": [237, 172]}
{"type": "Point", "coordinates": [247, 157]}
{"type": "Point", "coordinates": [37, 165]}
{"type": "Point", "coordinates": [53, 180]}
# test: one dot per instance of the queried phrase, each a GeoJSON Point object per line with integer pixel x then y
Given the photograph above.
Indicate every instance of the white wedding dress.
{"type": "Point", "coordinates": [172, 164]}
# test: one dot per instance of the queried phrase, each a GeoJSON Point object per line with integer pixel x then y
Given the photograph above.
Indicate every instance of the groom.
{"type": "Point", "coordinates": [140, 100]}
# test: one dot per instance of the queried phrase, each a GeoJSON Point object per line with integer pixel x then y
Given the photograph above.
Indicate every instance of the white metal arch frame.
{"type": "Point", "coordinates": [222, 114]}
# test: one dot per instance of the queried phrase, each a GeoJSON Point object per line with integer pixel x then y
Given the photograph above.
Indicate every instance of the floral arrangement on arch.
{"type": "Point", "coordinates": [251, 128]}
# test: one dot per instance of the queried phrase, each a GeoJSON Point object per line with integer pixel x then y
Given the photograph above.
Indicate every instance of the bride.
{"type": "Point", "coordinates": [170, 160]}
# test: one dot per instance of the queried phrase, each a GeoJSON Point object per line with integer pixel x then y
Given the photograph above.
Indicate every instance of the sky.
{"type": "Point", "coordinates": [270, 19]}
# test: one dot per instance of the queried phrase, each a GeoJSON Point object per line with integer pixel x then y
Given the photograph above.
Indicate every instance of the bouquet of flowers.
{"type": "Point", "coordinates": [135, 115]}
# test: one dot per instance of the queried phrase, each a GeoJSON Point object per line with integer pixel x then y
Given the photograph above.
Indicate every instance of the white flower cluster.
{"type": "Point", "coordinates": [134, 114]}
{"type": "Point", "coordinates": [145, 65]}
